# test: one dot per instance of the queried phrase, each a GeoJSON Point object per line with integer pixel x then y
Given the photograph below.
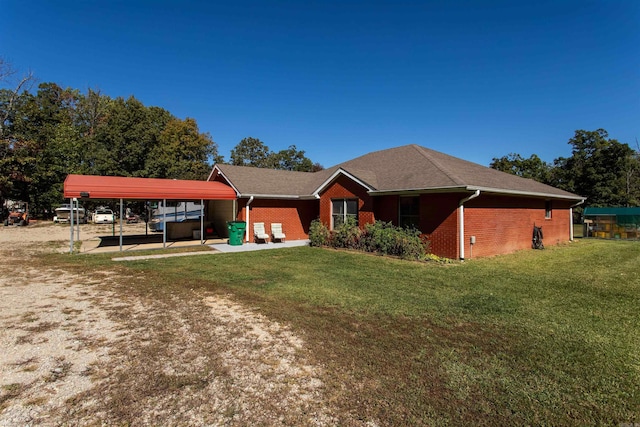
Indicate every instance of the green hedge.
{"type": "Point", "coordinates": [379, 237]}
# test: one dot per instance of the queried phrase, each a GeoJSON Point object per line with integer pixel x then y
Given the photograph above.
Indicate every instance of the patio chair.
{"type": "Point", "coordinates": [276, 232]}
{"type": "Point", "coordinates": [259, 233]}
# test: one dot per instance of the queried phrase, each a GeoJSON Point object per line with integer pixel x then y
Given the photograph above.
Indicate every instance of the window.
{"type": "Point", "coordinates": [547, 209]}
{"type": "Point", "coordinates": [341, 209]}
{"type": "Point", "coordinates": [409, 212]}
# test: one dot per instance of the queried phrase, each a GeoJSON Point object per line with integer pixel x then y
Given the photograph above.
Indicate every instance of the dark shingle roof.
{"type": "Point", "coordinates": [261, 181]}
{"type": "Point", "coordinates": [400, 169]}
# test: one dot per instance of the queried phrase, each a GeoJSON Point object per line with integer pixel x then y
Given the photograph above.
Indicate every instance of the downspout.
{"type": "Point", "coordinates": [246, 231]}
{"type": "Point", "coordinates": [461, 221]}
{"type": "Point", "coordinates": [571, 218]}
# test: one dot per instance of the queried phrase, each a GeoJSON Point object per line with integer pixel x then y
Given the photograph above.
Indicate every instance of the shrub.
{"type": "Point", "coordinates": [347, 235]}
{"type": "Point", "coordinates": [386, 239]}
{"type": "Point", "coordinates": [319, 234]}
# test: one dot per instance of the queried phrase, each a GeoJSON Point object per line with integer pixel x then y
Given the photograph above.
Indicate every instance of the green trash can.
{"type": "Point", "coordinates": [236, 232]}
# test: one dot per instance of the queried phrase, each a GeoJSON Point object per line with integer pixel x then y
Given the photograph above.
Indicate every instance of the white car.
{"type": "Point", "coordinates": [104, 216]}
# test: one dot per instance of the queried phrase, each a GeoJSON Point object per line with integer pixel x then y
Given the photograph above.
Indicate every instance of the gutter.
{"type": "Point", "coordinates": [461, 221]}
{"type": "Point", "coordinates": [465, 188]}
{"type": "Point", "coordinates": [571, 218]}
{"type": "Point", "coordinates": [246, 215]}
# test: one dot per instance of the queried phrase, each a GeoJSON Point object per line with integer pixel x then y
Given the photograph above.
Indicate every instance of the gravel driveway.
{"type": "Point", "coordinates": [87, 349]}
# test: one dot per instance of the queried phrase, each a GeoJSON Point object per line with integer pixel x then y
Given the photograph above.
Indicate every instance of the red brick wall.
{"type": "Point", "coordinates": [439, 221]}
{"type": "Point", "coordinates": [501, 224]}
{"type": "Point", "coordinates": [345, 188]}
{"type": "Point", "coordinates": [295, 215]}
{"type": "Point", "coordinates": [505, 224]}
{"type": "Point", "coordinates": [386, 208]}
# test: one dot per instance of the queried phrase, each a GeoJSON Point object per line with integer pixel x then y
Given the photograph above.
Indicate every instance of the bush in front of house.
{"type": "Point", "coordinates": [387, 239]}
{"type": "Point", "coordinates": [319, 234]}
{"type": "Point", "coordinates": [379, 237]}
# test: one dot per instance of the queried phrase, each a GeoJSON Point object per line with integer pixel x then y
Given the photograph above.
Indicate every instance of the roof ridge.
{"type": "Point", "coordinates": [425, 153]}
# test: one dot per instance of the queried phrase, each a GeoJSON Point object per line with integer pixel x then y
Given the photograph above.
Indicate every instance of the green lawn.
{"type": "Point", "coordinates": [539, 337]}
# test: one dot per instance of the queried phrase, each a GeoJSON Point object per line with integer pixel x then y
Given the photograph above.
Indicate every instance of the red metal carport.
{"type": "Point", "coordinates": [128, 188]}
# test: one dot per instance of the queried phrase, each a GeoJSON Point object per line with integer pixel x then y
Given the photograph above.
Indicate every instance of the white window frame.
{"type": "Point", "coordinates": [345, 213]}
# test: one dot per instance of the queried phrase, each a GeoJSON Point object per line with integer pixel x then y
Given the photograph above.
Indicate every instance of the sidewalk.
{"type": "Point", "coordinates": [224, 247]}
{"type": "Point", "coordinates": [220, 248]}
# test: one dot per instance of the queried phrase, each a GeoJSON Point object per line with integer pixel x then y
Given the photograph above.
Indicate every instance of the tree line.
{"type": "Point", "coordinates": [49, 132]}
{"type": "Point", "coordinates": [604, 170]}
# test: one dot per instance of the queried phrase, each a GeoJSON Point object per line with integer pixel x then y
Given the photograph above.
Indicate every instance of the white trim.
{"type": "Point", "coordinates": [460, 189]}
{"type": "Point", "coordinates": [215, 168]}
{"type": "Point", "coordinates": [246, 216]}
{"type": "Point", "coordinates": [571, 218]}
{"type": "Point", "coordinates": [334, 176]}
{"type": "Point", "coordinates": [276, 196]}
{"type": "Point", "coordinates": [461, 221]}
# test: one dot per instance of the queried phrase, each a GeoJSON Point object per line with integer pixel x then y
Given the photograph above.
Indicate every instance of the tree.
{"type": "Point", "coordinates": [290, 159]}
{"type": "Point", "coordinates": [515, 164]}
{"type": "Point", "coordinates": [602, 169]}
{"type": "Point", "coordinates": [183, 152]}
{"type": "Point", "coordinates": [251, 152]}
{"type": "Point", "coordinates": [15, 153]}
{"type": "Point", "coordinates": [126, 136]}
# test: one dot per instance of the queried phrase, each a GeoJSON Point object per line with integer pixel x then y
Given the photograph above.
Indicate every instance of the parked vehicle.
{"type": "Point", "coordinates": [173, 212]}
{"type": "Point", "coordinates": [18, 214]}
{"type": "Point", "coordinates": [131, 218]}
{"type": "Point", "coordinates": [63, 214]}
{"type": "Point", "coordinates": [104, 216]}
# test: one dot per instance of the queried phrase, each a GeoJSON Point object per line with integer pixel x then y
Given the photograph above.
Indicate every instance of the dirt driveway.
{"type": "Point", "coordinates": [92, 349]}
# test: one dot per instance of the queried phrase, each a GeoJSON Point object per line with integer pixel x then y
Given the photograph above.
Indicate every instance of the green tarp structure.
{"type": "Point", "coordinates": [618, 223]}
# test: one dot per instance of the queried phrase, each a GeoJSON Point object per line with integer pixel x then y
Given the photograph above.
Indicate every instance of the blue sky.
{"type": "Point", "coordinates": [474, 79]}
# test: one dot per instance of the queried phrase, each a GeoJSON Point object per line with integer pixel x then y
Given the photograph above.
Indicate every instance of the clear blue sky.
{"type": "Point", "coordinates": [474, 79]}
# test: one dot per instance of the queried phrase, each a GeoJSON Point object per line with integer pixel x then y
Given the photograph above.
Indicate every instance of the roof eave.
{"type": "Point", "coordinates": [407, 191]}
{"type": "Point", "coordinates": [334, 176]}
{"type": "Point", "coordinates": [471, 188]}
{"type": "Point", "coordinates": [277, 196]}
{"type": "Point", "coordinates": [216, 168]}
{"type": "Point", "coordinates": [525, 193]}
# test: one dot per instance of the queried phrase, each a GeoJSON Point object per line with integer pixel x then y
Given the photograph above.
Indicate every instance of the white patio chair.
{"type": "Point", "coordinates": [276, 232]}
{"type": "Point", "coordinates": [259, 232]}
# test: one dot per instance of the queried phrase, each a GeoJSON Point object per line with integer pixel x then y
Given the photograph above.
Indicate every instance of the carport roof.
{"type": "Point", "coordinates": [117, 187]}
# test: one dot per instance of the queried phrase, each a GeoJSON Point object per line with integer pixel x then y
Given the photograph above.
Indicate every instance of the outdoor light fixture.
{"type": "Point", "coordinates": [84, 194]}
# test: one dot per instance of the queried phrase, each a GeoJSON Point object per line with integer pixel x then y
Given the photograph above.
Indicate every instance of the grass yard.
{"type": "Point", "coordinates": [538, 337]}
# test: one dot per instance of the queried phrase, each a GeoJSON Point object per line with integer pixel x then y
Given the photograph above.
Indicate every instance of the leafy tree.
{"type": "Point", "coordinates": [183, 152]}
{"type": "Point", "coordinates": [251, 152]}
{"type": "Point", "coordinates": [533, 167]}
{"type": "Point", "coordinates": [39, 119]}
{"type": "Point", "coordinates": [15, 152]}
{"type": "Point", "coordinates": [290, 159]}
{"type": "Point", "coordinates": [602, 169]}
{"type": "Point", "coordinates": [128, 133]}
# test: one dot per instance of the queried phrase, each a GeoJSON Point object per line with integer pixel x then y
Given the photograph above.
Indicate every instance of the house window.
{"type": "Point", "coordinates": [547, 209]}
{"type": "Point", "coordinates": [341, 209]}
{"type": "Point", "coordinates": [409, 212]}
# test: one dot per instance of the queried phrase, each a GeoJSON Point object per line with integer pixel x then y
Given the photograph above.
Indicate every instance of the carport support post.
{"type": "Point", "coordinates": [71, 227]}
{"type": "Point", "coordinates": [77, 218]}
{"type": "Point", "coordinates": [202, 221]}
{"type": "Point", "coordinates": [120, 225]}
{"type": "Point", "coordinates": [164, 223]}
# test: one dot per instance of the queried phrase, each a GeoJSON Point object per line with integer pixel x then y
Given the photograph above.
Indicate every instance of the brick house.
{"type": "Point", "coordinates": [464, 208]}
